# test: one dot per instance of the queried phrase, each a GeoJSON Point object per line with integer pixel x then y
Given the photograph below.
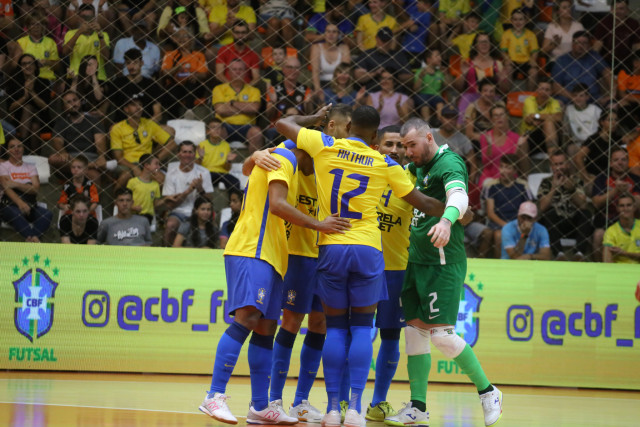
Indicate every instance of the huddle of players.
{"type": "Point", "coordinates": [346, 270]}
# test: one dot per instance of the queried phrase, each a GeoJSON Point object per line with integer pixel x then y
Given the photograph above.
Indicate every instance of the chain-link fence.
{"type": "Point", "coordinates": [540, 98]}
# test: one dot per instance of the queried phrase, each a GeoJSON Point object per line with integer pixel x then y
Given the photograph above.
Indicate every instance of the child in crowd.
{"type": "Point", "coordinates": [428, 83]}
{"type": "Point", "coordinates": [581, 118]}
{"type": "Point", "coordinates": [520, 49]}
{"type": "Point", "coordinates": [200, 231]}
{"type": "Point", "coordinates": [146, 191]}
{"type": "Point", "coordinates": [273, 67]}
{"type": "Point", "coordinates": [464, 41]}
{"type": "Point", "coordinates": [503, 198]}
{"type": "Point", "coordinates": [235, 203]}
{"type": "Point", "coordinates": [79, 183]}
{"type": "Point", "coordinates": [214, 153]}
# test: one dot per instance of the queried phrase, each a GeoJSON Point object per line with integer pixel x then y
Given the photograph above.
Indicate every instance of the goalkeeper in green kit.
{"type": "Point", "coordinates": [435, 276]}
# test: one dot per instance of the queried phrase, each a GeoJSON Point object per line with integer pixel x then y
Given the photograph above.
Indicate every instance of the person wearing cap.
{"type": "Point", "coordinates": [524, 238]}
{"type": "Point", "coordinates": [150, 52]}
{"type": "Point", "coordinates": [380, 58]}
{"type": "Point", "coordinates": [135, 136]}
{"type": "Point", "coordinates": [369, 24]}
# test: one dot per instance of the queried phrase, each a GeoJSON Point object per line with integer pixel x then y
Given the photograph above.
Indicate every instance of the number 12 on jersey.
{"type": "Point", "coordinates": [346, 197]}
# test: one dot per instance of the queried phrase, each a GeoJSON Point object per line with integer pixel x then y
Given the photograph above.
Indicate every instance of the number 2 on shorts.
{"type": "Point", "coordinates": [434, 298]}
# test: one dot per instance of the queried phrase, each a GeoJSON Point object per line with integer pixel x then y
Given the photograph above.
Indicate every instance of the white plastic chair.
{"type": "Point", "coordinates": [42, 165]}
{"type": "Point", "coordinates": [188, 130]}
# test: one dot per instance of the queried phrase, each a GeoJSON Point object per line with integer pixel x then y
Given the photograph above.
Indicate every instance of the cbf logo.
{"type": "Point", "coordinates": [467, 325]}
{"type": "Point", "coordinates": [291, 297]}
{"type": "Point", "coordinates": [261, 294]}
{"type": "Point", "coordinates": [33, 316]}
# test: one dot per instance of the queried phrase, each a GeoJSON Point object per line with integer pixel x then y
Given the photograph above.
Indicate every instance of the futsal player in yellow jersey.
{"type": "Point", "coordinates": [351, 178]}
{"type": "Point", "coordinates": [256, 259]}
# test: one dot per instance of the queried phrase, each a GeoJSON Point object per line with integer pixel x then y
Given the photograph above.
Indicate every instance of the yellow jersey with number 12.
{"type": "Point", "coordinates": [258, 233]}
{"type": "Point", "coordinates": [351, 178]}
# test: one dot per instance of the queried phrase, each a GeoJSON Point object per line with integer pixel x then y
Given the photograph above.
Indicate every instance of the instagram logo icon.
{"type": "Point", "coordinates": [520, 323]}
{"type": "Point", "coordinates": [95, 309]}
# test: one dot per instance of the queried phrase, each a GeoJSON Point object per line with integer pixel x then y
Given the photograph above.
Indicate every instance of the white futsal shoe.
{"type": "Point", "coordinates": [353, 419]}
{"type": "Point", "coordinates": [331, 419]}
{"type": "Point", "coordinates": [216, 407]}
{"type": "Point", "coordinates": [408, 416]}
{"type": "Point", "coordinates": [305, 412]}
{"type": "Point", "coordinates": [273, 414]}
{"type": "Point", "coordinates": [492, 406]}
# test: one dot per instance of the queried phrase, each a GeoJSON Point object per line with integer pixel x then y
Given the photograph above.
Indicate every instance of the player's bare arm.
{"type": "Point", "coordinates": [279, 206]}
{"type": "Point", "coordinates": [290, 126]}
{"type": "Point", "coordinates": [263, 159]}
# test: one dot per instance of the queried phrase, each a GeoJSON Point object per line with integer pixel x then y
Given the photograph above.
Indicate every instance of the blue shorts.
{"type": "Point", "coordinates": [390, 314]}
{"type": "Point", "coordinates": [253, 282]}
{"type": "Point", "coordinates": [350, 276]}
{"type": "Point", "coordinates": [300, 285]}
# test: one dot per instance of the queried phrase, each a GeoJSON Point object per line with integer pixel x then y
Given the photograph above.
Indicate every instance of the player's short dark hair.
{"type": "Point", "coordinates": [146, 158]}
{"type": "Point", "coordinates": [132, 54]}
{"type": "Point", "coordinates": [509, 159]}
{"type": "Point", "coordinates": [365, 117]}
{"type": "Point", "coordinates": [389, 129]}
{"type": "Point", "coordinates": [342, 110]}
{"type": "Point", "coordinates": [122, 191]}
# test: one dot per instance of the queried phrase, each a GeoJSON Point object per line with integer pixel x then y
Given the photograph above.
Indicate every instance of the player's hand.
{"type": "Point", "coordinates": [322, 115]}
{"type": "Point", "coordinates": [615, 250]}
{"type": "Point", "coordinates": [467, 217]}
{"type": "Point", "coordinates": [334, 224]}
{"type": "Point", "coordinates": [264, 160]}
{"type": "Point", "coordinates": [440, 233]}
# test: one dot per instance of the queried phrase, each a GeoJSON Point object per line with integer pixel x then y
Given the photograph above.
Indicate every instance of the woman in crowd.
{"type": "Point", "coordinates": [498, 141]}
{"type": "Point", "coordinates": [559, 33]}
{"type": "Point", "coordinates": [90, 90]}
{"type": "Point", "coordinates": [199, 231]}
{"type": "Point", "coordinates": [340, 90]}
{"type": "Point", "coordinates": [18, 205]}
{"type": "Point", "coordinates": [326, 57]}
{"type": "Point", "coordinates": [476, 117]}
{"type": "Point", "coordinates": [394, 107]}
{"type": "Point", "coordinates": [79, 227]}
{"type": "Point", "coordinates": [235, 203]}
{"type": "Point", "coordinates": [184, 14]}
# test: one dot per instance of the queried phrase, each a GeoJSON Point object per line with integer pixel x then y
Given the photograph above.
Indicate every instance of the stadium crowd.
{"type": "Point", "coordinates": [540, 99]}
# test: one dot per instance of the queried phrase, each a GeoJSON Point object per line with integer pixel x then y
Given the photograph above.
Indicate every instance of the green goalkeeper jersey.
{"type": "Point", "coordinates": [445, 171]}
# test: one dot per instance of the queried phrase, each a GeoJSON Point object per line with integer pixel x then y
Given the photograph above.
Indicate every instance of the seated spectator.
{"type": "Point", "coordinates": [140, 41]}
{"type": "Point", "coordinates": [90, 90]}
{"type": "Point", "coordinates": [125, 228]}
{"type": "Point", "coordinates": [414, 31]}
{"type": "Point", "coordinates": [43, 48]}
{"type": "Point", "coordinates": [464, 40]}
{"type": "Point", "coordinates": [380, 58]}
{"type": "Point", "coordinates": [581, 118]}
{"type": "Point", "coordinates": [133, 137]}
{"type": "Point", "coordinates": [273, 72]}
{"type": "Point", "coordinates": [450, 15]}
{"type": "Point", "coordinates": [53, 15]}
{"type": "Point", "coordinates": [477, 116]}
{"type": "Point", "coordinates": [394, 107]}
{"type": "Point", "coordinates": [133, 82]}
{"type": "Point", "coordinates": [541, 119]}
{"type": "Point", "coordinates": [28, 98]}
{"type": "Point", "coordinates": [369, 25]}
{"type": "Point", "coordinates": [633, 148]}
{"type": "Point", "coordinates": [592, 158]}
{"type": "Point", "coordinates": [524, 238]}
{"type": "Point", "coordinates": [199, 231]}
{"type": "Point", "coordinates": [145, 190]}
{"type": "Point", "coordinates": [235, 203]}
{"type": "Point", "coordinates": [214, 153]}
{"type": "Point", "coordinates": [76, 133]}
{"type": "Point", "coordinates": [102, 14]}
{"type": "Point", "coordinates": [183, 70]}
{"type": "Point", "coordinates": [629, 93]}
{"type": "Point", "coordinates": [79, 184]}
{"type": "Point", "coordinates": [456, 141]}
{"type": "Point", "coordinates": [559, 32]}
{"type": "Point", "coordinates": [182, 186]}
{"type": "Point", "coordinates": [18, 205]}
{"type": "Point", "coordinates": [581, 65]}
{"type": "Point", "coordinates": [277, 18]}
{"type": "Point", "coordinates": [607, 188]}
{"type": "Point", "coordinates": [132, 13]}
{"type": "Point", "coordinates": [184, 15]}
{"type": "Point", "coordinates": [325, 58]}
{"type": "Point", "coordinates": [79, 227]}
{"type": "Point", "coordinates": [616, 37]}
{"type": "Point", "coordinates": [428, 83]}
{"type": "Point", "coordinates": [336, 15]}
{"type": "Point", "coordinates": [237, 105]}
{"type": "Point", "coordinates": [223, 19]}
{"type": "Point", "coordinates": [622, 239]}
{"type": "Point", "coordinates": [341, 89]}
{"type": "Point", "coordinates": [238, 50]}
{"type": "Point", "coordinates": [520, 50]}
{"type": "Point", "coordinates": [498, 141]}
{"type": "Point", "coordinates": [563, 208]}
{"type": "Point", "coordinates": [504, 196]}
{"type": "Point", "coordinates": [88, 39]}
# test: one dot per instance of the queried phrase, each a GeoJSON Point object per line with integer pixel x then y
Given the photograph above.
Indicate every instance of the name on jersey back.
{"type": "Point", "coordinates": [360, 159]}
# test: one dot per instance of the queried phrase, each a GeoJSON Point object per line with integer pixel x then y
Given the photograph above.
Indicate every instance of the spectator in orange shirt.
{"type": "Point", "coordinates": [183, 71]}
{"type": "Point", "coordinates": [629, 93]}
{"type": "Point", "coordinates": [79, 184]}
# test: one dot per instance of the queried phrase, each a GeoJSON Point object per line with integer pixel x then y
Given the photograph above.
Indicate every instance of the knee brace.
{"type": "Point", "coordinates": [416, 341]}
{"type": "Point", "coordinates": [447, 341]}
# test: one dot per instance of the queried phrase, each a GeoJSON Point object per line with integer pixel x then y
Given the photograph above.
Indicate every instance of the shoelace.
{"type": "Point", "coordinates": [386, 407]}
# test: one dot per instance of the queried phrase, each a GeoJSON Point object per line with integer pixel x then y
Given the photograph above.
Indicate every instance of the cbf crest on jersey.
{"type": "Point", "coordinates": [291, 297]}
{"type": "Point", "coordinates": [262, 292]}
{"type": "Point", "coordinates": [33, 313]}
{"type": "Point", "coordinates": [467, 325]}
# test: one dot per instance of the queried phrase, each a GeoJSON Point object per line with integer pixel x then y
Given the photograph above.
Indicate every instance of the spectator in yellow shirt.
{"type": "Point", "coordinates": [89, 39]}
{"type": "Point", "coordinates": [369, 24]}
{"type": "Point", "coordinates": [43, 48]}
{"type": "Point", "coordinates": [541, 119]}
{"type": "Point", "coordinates": [147, 196]}
{"type": "Point", "coordinates": [622, 240]}
{"type": "Point", "coordinates": [223, 17]}
{"type": "Point", "coordinates": [520, 49]}
{"type": "Point", "coordinates": [214, 153]}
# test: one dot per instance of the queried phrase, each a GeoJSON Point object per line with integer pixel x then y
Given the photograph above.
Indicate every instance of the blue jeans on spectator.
{"type": "Point", "coordinates": [35, 224]}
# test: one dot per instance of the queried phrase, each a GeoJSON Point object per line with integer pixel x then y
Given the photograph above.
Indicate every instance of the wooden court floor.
{"type": "Point", "coordinates": [43, 399]}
